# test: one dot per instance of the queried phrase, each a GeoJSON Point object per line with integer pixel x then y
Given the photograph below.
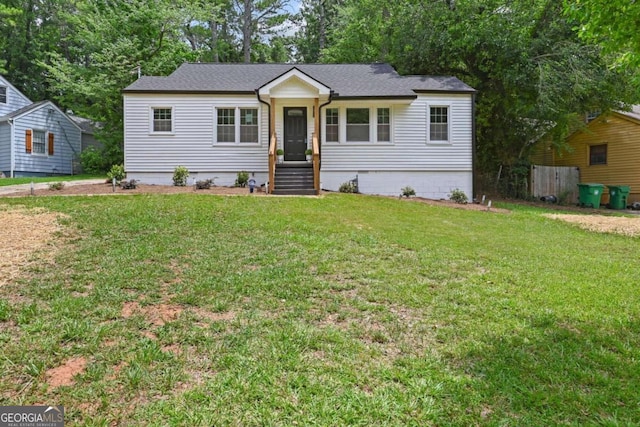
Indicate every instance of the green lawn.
{"type": "Point", "coordinates": [14, 181]}
{"type": "Point", "coordinates": [341, 310]}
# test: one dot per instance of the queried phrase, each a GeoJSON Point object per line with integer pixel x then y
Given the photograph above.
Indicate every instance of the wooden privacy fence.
{"type": "Point", "coordinates": [559, 181]}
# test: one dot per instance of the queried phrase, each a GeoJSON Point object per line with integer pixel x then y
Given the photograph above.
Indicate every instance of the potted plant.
{"type": "Point", "coordinates": [308, 152]}
{"type": "Point", "coordinates": [280, 154]}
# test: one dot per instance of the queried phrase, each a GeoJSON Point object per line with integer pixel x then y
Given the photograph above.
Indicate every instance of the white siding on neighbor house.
{"type": "Point", "coordinates": [15, 100]}
{"type": "Point", "coordinates": [410, 148]}
{"type": "Point", "coordinates": [67, 142]}
{"type": "Point", "coordinates": [191, 142]}
{"type": "Point", "coordinates": [5, 153]}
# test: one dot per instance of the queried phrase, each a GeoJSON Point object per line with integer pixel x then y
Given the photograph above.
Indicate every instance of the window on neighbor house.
{"type": "Point", "coordinates": [162, 120]}
{"type": "Point", "coordinates": [357, 124]}
{"type": "Point", "coordinates": [39, 143]}
{"type": "Point", "coordinates": [226, 125]}
{"type": "Point", "coordinates": [384, 125]}
{"type": "Point", "coordinates": [332, 125]}
{"type": "Point", "coordinates": [3, 95]}
{"type": "Point", "coordinates": [598, 155]}
{"type": "Point", "coordinates": [439, 123]}
{"type": "Point", "coordinates": [248, 125]}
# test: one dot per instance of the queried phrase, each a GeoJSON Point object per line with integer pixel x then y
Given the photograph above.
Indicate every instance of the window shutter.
{"type": "Point", "coordinates": [27, 141]}
{"type": "Point", "coordinates": [51, 144]}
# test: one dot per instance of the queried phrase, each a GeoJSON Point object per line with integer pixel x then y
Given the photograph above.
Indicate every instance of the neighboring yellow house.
{"type": "Point", "coordinates": [607, 151]}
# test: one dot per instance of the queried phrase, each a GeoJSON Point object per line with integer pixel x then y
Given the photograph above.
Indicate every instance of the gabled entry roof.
{"type": "Point", "coordinates": [346, 80]}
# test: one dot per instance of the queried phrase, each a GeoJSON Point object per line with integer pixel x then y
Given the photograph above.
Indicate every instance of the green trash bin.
{"type": "Point", "coordinates": [618, 196]}
{"type": "Point", "coordinates": [590, 195]}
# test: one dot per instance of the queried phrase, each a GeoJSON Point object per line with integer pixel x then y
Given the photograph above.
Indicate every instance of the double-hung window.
{"type": "Point", "coordinates": [357, 124]}
{"type": "Point", "coordinates": [3, 94]}
{"type": "Point", "coordinates": [332, 125]}
{"type": "Point", "coordinates": [384, 125]}
{"type": "Point", "coordinates": [39, 142]}
{"type": "Point", "coordinates": [237, 125]}
{"type": "Point", "coordinates": [162, 120]}
{"type": "Point", "coordinates": [226, 125]}
{"type": "Point", "coordinates": [249, 125]}
{"type": "Point", "coordinates": [439, 124]}
{"type": "Point", "coordinates": [598, 155]}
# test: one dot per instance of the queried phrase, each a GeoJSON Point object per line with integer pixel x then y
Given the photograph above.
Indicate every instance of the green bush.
{"type": "Point", "coordinates": [458, 196]}
{"type": "Point", "coordinates": [242, 179]}
{"type": "Point", "coordinates": [117, 172]}
{"type": "Point", "coordinates": [348, 187]}
{"type": "Point", "coordinates": [92, 161]}
{"type": "Point", "coordinates": [408, 192]}
{"type": "Point", "coordinates": [180, 175]}
{"type": "Point", "coordinates": [56, 186]}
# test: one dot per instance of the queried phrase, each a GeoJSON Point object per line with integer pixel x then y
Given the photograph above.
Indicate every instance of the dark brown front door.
{"type": "Point", "coordinates": [295, 133]}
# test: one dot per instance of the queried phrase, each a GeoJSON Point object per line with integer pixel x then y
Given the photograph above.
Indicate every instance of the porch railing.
{"type": "Point", "coordinates": [315, 148]}
{"type": "Point", "coordinates": [273, 143]}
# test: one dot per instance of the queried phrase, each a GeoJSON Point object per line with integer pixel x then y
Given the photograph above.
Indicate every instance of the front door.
{"type": "Point", "coordinates": [295, 133]}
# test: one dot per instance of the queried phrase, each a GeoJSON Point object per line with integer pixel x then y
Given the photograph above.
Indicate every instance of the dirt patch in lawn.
{"type": "Point", "coordinates": [465, 206]}
{"type": "Point", "coordinates": [157, 315]}
{"type": "Point", "coordinates": [603, 224]}
{"type": "Point", "coordinates": [63, 375]}
{"type": "Point", "coordinates": [28, 231]}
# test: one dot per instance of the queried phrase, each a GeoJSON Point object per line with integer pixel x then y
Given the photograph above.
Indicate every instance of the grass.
{"type": "Point", "coordinates": [344, 310]}
{"type": "Point", "coordinates": [65, 178]}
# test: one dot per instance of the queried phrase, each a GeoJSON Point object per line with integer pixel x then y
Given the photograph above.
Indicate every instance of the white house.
{"type": "Point", "coordinates": [35, 138]}
{"type": "Point", "coordinates": [363, 122]}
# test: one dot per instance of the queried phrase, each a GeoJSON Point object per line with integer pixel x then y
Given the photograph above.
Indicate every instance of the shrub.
{"type": "Point", "coordinates": [204, 185]}
{"type": "Point", "coordinates": [458, 196]}
{"type": "Point", "coordinates": [56, 186]}
{"type": "Point", "coordinates": [117, 172]}
{"type": "Point", "coordinates": [348, 187]}
{"type": "Point", "coordinates": [92, 161]}
{"type": "Point", "coordinates": [308, 152]}
{"type": "Point", "coordinates": [279, 152]}
{"type": "Point", "coordinates": [242, 179]}
{"type": "Point", "coordinates": [180, 175]}
{"type": "Point", "coordinates": [408, 192]}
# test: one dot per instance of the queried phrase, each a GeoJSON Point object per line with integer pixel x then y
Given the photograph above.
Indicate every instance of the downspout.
{"type": "Point", "coordinates": [268, 111]}
{"type": "Point", "coordinates": [12, 150]}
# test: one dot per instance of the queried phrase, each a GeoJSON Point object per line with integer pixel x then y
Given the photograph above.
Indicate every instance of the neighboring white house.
{"type": "Point", "coordinates": [35, 138]}
{"type": "Point", "coordinates": [387, 130]}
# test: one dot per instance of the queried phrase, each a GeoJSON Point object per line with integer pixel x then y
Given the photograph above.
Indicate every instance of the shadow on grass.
{"type": "Point", "coordinates": [559, 372]}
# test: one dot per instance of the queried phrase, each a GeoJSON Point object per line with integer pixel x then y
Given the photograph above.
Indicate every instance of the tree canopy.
{"type": "Point", "coordinates": [538, 65]}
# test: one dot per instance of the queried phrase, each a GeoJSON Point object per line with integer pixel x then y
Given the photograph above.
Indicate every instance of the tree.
{"type": "Point", "coordinates": [316, 22]}
{"type": "Point", "coordinates": [258, 19]}
{"type": "Point", "coordinates": [613, 24]}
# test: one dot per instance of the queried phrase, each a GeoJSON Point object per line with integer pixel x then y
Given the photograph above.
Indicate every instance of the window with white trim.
{"type": "Point", "coordinates": [332, 120]}
{"type": "Point", "coordinates": [439, 123]}
{"type": "Point", "coordinates": [226, 125]}
{"type": "Point", "coordinates": [3, 94]}
{"type": "Point", "coordinates": [237, 125]}
{"type": "Point", "coordinates": [249, 125]}
{"type": "Point", "coordinates": [357, 124]}
{"type": "Point", "coordinates": [384, 125]}
{"type": "Point", "coordinates": [39, 142]}
{"type": "Point", "coordinates": [162, 120]}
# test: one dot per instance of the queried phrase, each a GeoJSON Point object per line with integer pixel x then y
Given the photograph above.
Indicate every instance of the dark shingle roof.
{"type": "Point", "coordinates": [23, 110]}
{"type": "Point", "coordinates": [346, 80]}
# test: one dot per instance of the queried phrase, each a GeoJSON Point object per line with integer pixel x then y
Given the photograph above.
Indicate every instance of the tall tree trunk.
{"type": "Point", "coordinates": [214, 40]}
{"type": "Point", "coordinates": [322, 27]}
{"type": "Point", "coordinates": [247, 14]}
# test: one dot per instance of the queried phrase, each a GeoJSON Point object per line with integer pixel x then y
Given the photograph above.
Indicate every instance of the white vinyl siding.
{"type": "Point", "coordinates": [194, 133]}
{"type": "Point", "coordinates": [13, 99]}
{"type": "Point", "coordinates": [410, 149]}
